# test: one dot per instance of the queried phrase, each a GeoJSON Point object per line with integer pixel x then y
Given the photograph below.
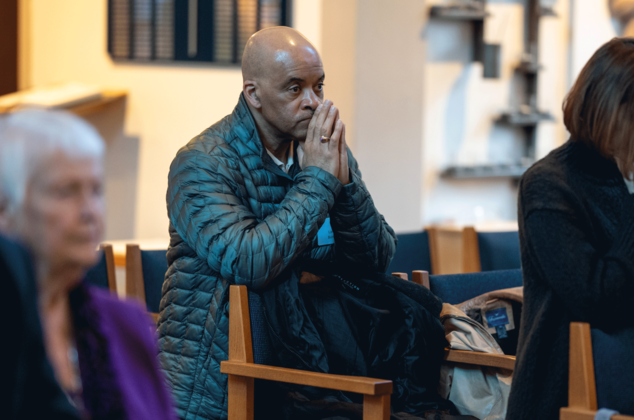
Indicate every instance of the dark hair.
{"type": "Point", "coordinates": [599, 109]}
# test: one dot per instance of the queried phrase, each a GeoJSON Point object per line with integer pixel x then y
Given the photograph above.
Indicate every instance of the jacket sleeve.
{"type": "Point", "coordinates": [362, 236]}
{"type": "Point", "coordinates": [595, 286]}
{"type": "Point", "coordinates": [205, 200]}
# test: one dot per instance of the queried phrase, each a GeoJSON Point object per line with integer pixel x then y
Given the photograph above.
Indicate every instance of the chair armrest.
{"type": "Point", "coordinates": [357, 384]}
{"type": "Point", "coordinates": [574, 413]}
{"type": "Point", "coordinates": [482, 359]}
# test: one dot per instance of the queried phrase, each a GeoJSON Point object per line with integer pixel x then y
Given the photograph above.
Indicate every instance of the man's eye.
{"type": "Point", "coordinates": [320, 86]}
{"type": "Point", "coordinates": [295, 89]}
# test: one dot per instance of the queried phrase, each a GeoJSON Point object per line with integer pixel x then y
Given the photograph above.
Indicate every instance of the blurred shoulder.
{"type": "Point", "coordinates": [122, 315]}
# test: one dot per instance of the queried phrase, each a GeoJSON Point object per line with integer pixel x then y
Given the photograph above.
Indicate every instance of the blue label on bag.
{"type": "Point", "coordinates": [497, 317]}
{"type": "Point", "coordinates": [325, 236]}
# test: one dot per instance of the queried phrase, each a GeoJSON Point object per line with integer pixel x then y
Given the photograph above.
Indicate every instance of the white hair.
{"type": "Point", "coordinates": [29, 137]}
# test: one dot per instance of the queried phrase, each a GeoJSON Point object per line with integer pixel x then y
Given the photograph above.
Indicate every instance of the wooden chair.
{"type": "Point", "coordinates": [462, 356]}
{"type": "Point", "coordinates": [471, 249]}
{"type": "Point", "coordinates": [448, 248]}
{"type": "Point", "coordinates": [242, 371]}
{"type": "Point", "coordinates": [145, 274]}
{"type": "Point", "coordinates": [582, 392]}
{"type": "Point", "coordinates": [103, 274]}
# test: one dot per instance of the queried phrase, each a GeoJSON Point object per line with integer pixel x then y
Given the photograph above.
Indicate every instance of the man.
{"type": "Point", "coordinates": [250, 200]}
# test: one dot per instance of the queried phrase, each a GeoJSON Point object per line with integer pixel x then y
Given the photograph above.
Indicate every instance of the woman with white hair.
{"type": "Point", "coordinates": [102, 350]}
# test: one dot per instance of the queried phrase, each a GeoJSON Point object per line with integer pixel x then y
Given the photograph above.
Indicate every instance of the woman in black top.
{"type": "Point", "coordinates": [576, 219]}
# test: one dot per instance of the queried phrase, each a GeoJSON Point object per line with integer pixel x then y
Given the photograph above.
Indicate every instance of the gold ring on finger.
{"type": "Point", "coordinates": [324, 139]}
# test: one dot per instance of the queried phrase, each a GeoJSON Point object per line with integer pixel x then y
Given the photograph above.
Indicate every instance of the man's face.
{"type": "Point", "coordinates": [292, 92]}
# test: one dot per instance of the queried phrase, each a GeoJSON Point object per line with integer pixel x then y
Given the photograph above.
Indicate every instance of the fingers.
{"type": "Point", "coordinates": [343, 175]}
{"type": "Point", "coordinates": [343, 148]}
{"type": "Point", "coordinates": [335, 138]}
{"type": "Point", "coordinates": [321, 118]}
{"type": "Point", "coordinates": [331, 117]}
{"type": "Point", "coordinates": [343, 157]}
{"type": "Point", "coordinates": [313, 123]}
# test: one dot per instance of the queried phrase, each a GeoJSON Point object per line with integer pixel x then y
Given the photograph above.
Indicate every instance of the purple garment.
{"type": "Point", "coordinates": [132, 353]}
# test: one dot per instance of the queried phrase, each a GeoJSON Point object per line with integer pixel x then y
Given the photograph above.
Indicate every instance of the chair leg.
{"type": "Point", "coordinates": [240, 398]}
{"type": "Point", "coordinates": [376, 407]}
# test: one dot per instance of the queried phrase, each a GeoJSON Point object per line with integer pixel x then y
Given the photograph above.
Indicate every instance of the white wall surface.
{"type": "Point", "coordinates": [388, 121]}
{"type": "Point", "coordinates": [592, 28]}
{"type": "Point", "coordinates": [460, 107]}
{"type": "Point", "coordinates": [168, 104]}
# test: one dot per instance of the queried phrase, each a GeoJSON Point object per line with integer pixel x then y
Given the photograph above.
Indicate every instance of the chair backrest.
{"type": "Point", "coordinates": [263, 353]}
{"type": "Point", "coordinates": [103, 273]}
{"type": "Point", "coordinates": [145, 274]}
{"type": "Point", "coordinates": [613, 355]}
{"type": "Point", "coordinates": [486, 247]}
{"type": "Point", "coordinates": [412, 253]}
{"type": "Point", "coordinates": [458, 288]}
{"type": "Point", "coordinates": [445, 249]}
{"type": "Point", "coordinates": [499, 250]}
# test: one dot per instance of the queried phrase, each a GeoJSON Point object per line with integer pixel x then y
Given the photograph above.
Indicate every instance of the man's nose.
{"type": "Point", "coordinates": [311, 100]}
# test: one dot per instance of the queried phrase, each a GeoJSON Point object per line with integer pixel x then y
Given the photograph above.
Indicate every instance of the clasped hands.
{"type": "Point", "coordinates": [331, 156]}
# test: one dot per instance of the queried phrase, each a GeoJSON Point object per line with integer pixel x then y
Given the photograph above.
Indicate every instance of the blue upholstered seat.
{"type": "Point", "coordinates": [613, 355]}
{"type": "Point", "coordinates": [499, 250]}
{"type": "Point", "coordinates": [98, 275]}
{"type": "Point", "coordinates": [457, 288]}
{"type": "Point", "coordinates": [154, 265]}
{"type": "Point", "coordinates": [412, 253]}
{"type": "Point", "coordinates": [262, 348]}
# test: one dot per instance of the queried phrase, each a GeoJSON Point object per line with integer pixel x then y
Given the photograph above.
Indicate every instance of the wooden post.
{"type": "Point", "coordinates": [376, 407]}
{"type": "Point", "coordinates": [110, 267]}
{"type": "Point", "coordinates": [581, 385]}
{"type": "Point", "coordinates": [421, 277]}
{"type": "Point", "coordinates": [470, 251]}
{"type": "Point", "coordinates": [241, 388]}
{"type": "Point", "coordinates": [401, 275]}
{"type": "Point", "coordinates": [434, 252]}
{"type": "Point", "coordinates": [134, 286]}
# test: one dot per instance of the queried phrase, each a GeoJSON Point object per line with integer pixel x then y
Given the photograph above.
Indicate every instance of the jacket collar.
{"type": "Point", "coordinates": [244, 130]}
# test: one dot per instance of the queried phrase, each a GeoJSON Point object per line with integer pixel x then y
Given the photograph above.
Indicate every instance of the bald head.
{"type": "Point", "coordinates": [282, 83]}
{"type": "Point", "coordinates": [273, 51]}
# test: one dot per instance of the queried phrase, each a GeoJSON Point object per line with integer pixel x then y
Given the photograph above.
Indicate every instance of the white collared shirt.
{"type": "Point", "coordinates": [290, 160]}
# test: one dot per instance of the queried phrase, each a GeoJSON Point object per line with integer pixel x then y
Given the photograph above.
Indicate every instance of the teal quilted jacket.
{"type": "Point", "coordinates": [236, 218]}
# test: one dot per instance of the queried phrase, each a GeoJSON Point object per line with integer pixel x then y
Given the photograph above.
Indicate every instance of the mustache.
{"type": "Point", "coordinates": [308, 117]}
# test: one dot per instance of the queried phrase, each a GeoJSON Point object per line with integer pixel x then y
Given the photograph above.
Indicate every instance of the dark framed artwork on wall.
{"type": "Point", "coordinates": [8, 46]}
{"type": "Point", "coordinates": [189, 30]}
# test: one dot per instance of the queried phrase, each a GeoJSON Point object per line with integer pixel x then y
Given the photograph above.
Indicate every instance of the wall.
{"type": "Point", "coordinates": [419, 104]}
{"type": "Point", "coordinates": [389, 106]}
{"type": "Point", "coordinates": [338, 53]}
{"type": "Point", "coordinates": [168, 104]}
{"type": "Point", "coordinates": [592, 28]}
{"type": "Point", "coordinates": [460, 107]}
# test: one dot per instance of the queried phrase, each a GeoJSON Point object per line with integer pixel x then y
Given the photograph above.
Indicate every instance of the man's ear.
{"type": "Point", "coordinates": [250, 90]}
